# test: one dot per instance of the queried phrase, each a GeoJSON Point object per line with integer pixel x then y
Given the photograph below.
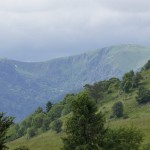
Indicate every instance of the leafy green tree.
{"type": "Point", "coordinates": [55, 112]}
{"type": "Point", "coordinates": [31, 132]}
{"type": "Point", "coordinates": [45, 124]}
{"type": "Point", "coordinates": [130, 80]}
{"type": "Point", "coordinates": [57, 125]}
{"type": "Point", "coordinates": [39, 110]}
{"type": "Point", "coordinates": [48, 106]}
{"type": "Point", "coordinates": [85, 128]}
{"type": "Point", "coordinates": [127, 86]}
{"type": "Point", "coordinates": [95, 91]}
{"type": "Point", "coordinates": [128, 138]}
{"type": "Point", "coordinates": [143, 95]}
{"type": "Point", "coordinates": [37, 120]}
{"type": "Point", "coordinates": [67, 101]}
{"type": "Point", "coordinates": [118, 109]}
{"type": "Point", "coordinates": [136, 80]}
{"type": "Point", "coordinates": [147, 65]}
{"type": "Point", "coordinates": [5, 123]}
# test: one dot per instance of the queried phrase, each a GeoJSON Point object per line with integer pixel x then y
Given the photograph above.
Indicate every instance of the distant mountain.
{"type": "Point", "coordinates": [27, 85]}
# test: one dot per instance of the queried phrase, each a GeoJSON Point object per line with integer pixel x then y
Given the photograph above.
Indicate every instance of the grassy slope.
{"type": "Point", "coordinates": [139, 116]}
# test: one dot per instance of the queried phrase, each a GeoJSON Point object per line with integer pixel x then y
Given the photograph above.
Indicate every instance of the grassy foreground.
{"type": "Point", "coordinates": [46, 141]}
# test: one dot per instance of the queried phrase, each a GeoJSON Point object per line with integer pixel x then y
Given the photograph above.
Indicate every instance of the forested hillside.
{"type": "Point", "coordinates": [124, 102]}
{"type": "Point", "coordinates": [27, 85]}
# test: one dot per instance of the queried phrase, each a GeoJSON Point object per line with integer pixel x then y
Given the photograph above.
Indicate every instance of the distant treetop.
{"type": "Point", "coordinates": [147, 65]}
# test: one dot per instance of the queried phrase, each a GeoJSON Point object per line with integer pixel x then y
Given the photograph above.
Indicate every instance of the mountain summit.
{"type": "Point", "coordinates": [27, 85]}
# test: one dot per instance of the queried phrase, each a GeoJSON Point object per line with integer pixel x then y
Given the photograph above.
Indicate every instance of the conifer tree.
{"type": "Point", "coordinates": [48, 106]}
{"type": "Point", "coordinates": [85, 129]}
{"type": "Point", "coordinates": [5, 123]}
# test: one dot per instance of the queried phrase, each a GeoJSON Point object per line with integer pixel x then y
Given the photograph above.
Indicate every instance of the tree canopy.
{"type": "Point", "coordinates": [5, 123]}
{"type": "Point", "coordinates": [85, 129]}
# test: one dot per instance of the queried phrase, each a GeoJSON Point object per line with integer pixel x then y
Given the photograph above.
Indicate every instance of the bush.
{"type": "Point", "coordinates": [123, 139]}
{"type": "Point", "coordinates": [55, 112]}
{"type": "Point", "coordinates": [31, 132]}
{"type": "Point", "coordinates": [57, 125]}
{"type": "Point", "coordinates": [38, 120]}
{"type": "Point", "coordinates": [143, 95]}
{"type": "Point", "coordinates": [118, 109]}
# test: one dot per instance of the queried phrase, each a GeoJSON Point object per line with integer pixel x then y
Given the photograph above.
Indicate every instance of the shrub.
{"type": "Point", "coordinates": [123, 139]}
{"type": "Point", "coordinates": [57, 125]}
{"type": "Point", "coordinates": [143, 95]}
{"type": "Point", "coordinates": [31, 132]}
{"type": "Point", "coordinates": [118, 109]}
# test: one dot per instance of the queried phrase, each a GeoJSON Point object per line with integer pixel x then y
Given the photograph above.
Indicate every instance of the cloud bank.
{"type": "Point", "coordinates": [37, 30]}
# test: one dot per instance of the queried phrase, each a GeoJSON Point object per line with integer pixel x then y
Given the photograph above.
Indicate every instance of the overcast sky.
{"type": "Point", "coordinates": [37, 30]}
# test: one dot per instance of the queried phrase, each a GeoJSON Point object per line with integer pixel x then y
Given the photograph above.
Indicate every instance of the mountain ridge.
{"type": "Point", "coordinates": [31, 84]}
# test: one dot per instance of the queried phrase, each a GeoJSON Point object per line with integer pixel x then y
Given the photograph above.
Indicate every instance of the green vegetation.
{"type": "Point", "coordinates": [84, 129]}
{"type": "Point", "coordinates": [31, 84]}
{"type": "Point", "coordinates": [111, 92]}
{"type": "Point", "coordinates": [48, 106]}
{"type": "Point", "coordinates": [143, 95]}
{"type": "Point", "coordinates": [5, 123]}
{"type": "Point", "coordinates": [118, 109]}
{"type": "Point", "coordinates": [130, 81]}
{"type": "Point", "coordinates": [21, 148]}
{"type": "Point", "coordinates": [57, 126]}
{"type": "Point", "coordinates": [147, 66]}
{"type": "Point", "coordinates": [123, 139]}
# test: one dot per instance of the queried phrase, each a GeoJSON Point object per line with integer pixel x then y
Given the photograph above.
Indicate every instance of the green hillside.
{"type": "Point", "coordinates": [135, 114]}
{"type": "Point", "coordinates": [32, 84]}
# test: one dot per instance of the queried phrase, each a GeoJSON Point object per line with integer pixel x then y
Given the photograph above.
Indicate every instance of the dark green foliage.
{"type": "Point", "coordinates": [39, 110]}
{"type": "Point", "coordinates": [147, 65]}
{"type": "Point", "coordinates": [45, 124]}
{"type": "Point", "coordinates": [67, 101]}
{"type": "Point", "coordinates": [98, 90]}
{"type": "Point", "coordinates": [31, 132]}
{"type": "Point", "coordinates": [127, 81]}
{"type": "Point", "coordinates": [5, 123]}
{"type": "Point", "coordinates": [22, 148]}
{"type": "Point", "coordinates": [95, 91]}
{"type": "Point", "coordinates": [55, 112]}
{"type": "Point", "coordinates": [130, 80]}
{"type": "Point", "coordinates": [37, 120]}
{"type": "Point", "coordinates": [136, 80]}
{"type": "Point", "coordinates": [85, 129]}
{"type": "Point", "coordinates": [37, 123]}
{"type": "Point", "coordinates": [143, 95]}
{"type": "Point", "coordinates": [123, 139]}
{"type": "Point", "coordinates": [118, 109]}
{"type": "Point", "coordinates": [127, 86]}
{"type": "Point", "coordinates": [48, 106]}
{"type": "Point", "coordinates": [57, 125]}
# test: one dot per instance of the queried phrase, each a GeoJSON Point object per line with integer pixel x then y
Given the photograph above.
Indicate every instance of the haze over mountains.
{"type": "Point", "coordinates": [27, 85]}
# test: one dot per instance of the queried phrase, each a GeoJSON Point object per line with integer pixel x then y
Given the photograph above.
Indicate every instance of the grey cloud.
{"type": "Point", "coordinates": [42, 29]}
